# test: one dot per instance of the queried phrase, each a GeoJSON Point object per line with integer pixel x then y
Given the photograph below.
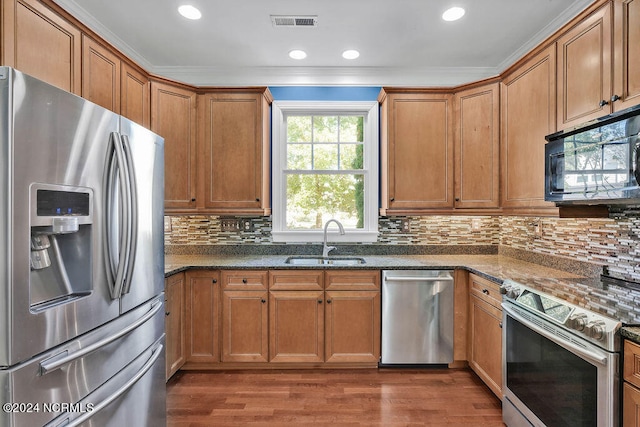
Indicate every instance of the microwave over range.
{"type": "Point", "coordinates": [595, 163]}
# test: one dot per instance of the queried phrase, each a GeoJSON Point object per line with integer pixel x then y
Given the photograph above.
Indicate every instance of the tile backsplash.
{"type": "Point", "coordinates": [611, 242]}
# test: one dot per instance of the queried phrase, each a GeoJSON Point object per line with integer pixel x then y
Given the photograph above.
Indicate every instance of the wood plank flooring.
{"type": "Point", "coordinates": [355, 397]}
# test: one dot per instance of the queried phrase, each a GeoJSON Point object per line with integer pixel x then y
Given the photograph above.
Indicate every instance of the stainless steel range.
{"type": "Point", "coordinates": [560, 361]}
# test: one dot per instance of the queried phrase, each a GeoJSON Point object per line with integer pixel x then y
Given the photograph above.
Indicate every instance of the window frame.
{"type": "Point", "coordinates": [279, 111]}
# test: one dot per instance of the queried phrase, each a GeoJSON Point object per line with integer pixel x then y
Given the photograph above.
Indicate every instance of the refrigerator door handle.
{"type": "Point", "coordinates": [116, 170]}
{"type": "Point", "coordinates": [56, 362]}
{"type": "Point", "coordinates": [133, 213]}
{"type": "Point", "coordinates": [119, 392]}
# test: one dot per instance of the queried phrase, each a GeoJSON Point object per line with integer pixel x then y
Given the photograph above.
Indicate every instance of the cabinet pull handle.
{"type": "Point", "coordinates": [614, 98]}
{"type": "Point", "coordinates": [485, 291]}
{"type": "Point", "coordinates": [603, 103]}
{"type": "Point", "coordinates": [500, 325]}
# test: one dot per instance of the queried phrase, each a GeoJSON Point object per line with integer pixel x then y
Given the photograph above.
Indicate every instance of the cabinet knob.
{"type": "Point", "coordinates": [614, 98]}
{"type": "Point", "coordinates": [263, 301]}
{"type": "Point", "coordinates": [193, 199]}
{"type": "Point", "coordinates": [603, 103]}
{"type": "Point", "coordinates": [500, 325]}
{"type": "Point", "coordinates": [485, 291]}
{"type": "Point", "coordinates": [214, 281]}
{"type": "Point", "coordinates": [257, 199]}
{"type": "Point", "coordinates": [393, 199]}
{"type": "Point", "coordinates": [244, 280]}
{"type": "Point", "coordinates": [166, 313]}
{"type": "Point", "coordinates": [457, 199]}
{"type": "Point", "coordinates": [328, 301]}
{"type": "Point", "coordinates": [319, 301]}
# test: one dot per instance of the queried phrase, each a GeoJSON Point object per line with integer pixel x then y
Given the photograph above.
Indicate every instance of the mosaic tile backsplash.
{"type": "Point", "coordinates": [611, 242]}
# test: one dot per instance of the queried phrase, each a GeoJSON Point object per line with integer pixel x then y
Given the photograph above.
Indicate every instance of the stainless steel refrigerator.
{"type": "Point", "coordinates": [81, 262]}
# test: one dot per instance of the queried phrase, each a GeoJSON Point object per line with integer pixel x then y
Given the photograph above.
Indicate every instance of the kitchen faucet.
{"type": "Point", "coordinates": [326, 249]}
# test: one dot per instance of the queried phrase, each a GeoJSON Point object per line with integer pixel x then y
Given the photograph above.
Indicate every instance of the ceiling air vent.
{"type": "Point", "coordinates": [294, 21]}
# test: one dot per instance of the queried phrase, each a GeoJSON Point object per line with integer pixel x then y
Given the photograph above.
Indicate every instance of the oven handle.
{"type": "Point", "coordinates": [585, 354]}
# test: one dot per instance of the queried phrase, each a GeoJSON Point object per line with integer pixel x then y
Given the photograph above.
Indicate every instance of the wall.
{"type": "Point", "coordinates": [611, 242]}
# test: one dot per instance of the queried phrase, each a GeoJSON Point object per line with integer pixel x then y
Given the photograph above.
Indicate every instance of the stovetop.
{"type": "Point", "coordinates": [588, 324]}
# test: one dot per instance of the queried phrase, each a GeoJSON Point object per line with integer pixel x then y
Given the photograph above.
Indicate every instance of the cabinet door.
{"type": "Point", "coordinates": [245, 327]}
{"type": "Point", "coordinates": [174, 323]}
{"type": "Point", "coordinates": [173, 116]}
{"type": "Point", "coordinates": [528, 114]}
{"type": "Point", "coordinates": [486, 343]}
{"type": "Point", "coordinates": [477, 154]}
{"type": "Point", "coordinates": [100, 75]}
{"type": "Point", "coordinates": [419, 152]}
{"type": "Point", "coordinates": [626, 37]}
{"type": "Point", "coordinates": [584, 70]}
{"type": "Point", "coordinates": [135, 96]}
{"type": "Point", "coordinates": [203, 316]}
{"type": "Point", "coordinates": [630, 406]}
{"type": "Point", "coordinates": [40, 43]}
{"type": "Point", "coordinates": [296, 326]}
{"type": "Point", "coordinates": [235, 156]}
{"type": "Point", "coordinates": [352, 330]}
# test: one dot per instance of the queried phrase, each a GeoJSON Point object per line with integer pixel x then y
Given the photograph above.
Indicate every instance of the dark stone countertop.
{"type": "Point", "coordinates": [614, 301]}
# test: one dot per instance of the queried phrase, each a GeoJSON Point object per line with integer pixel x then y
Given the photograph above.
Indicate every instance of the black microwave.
{"type": "Point", "coordinates": [595, 163]}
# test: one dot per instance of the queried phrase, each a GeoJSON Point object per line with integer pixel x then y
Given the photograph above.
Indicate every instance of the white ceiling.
{"type": "Point", "coordinates": [401, 42]}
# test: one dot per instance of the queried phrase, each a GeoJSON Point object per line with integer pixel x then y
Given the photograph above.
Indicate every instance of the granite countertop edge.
{"type": "Point", "coordinates": [494, 267]}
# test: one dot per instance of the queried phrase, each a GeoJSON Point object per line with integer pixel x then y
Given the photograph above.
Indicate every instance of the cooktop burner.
{"type": "Point", "coordinates": [594, 327]}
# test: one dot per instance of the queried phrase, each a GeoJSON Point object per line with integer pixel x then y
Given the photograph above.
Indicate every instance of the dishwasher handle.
{"type": "Point", "coordinates": [417, 278]}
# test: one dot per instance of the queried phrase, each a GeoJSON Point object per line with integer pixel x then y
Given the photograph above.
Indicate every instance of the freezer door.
{"type": "Point", "coordinates": [146, 274]}
{"type": "Point", "coordinates": [42, 389]}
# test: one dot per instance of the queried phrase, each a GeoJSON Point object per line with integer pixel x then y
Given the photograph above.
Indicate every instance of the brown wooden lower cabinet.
{"type": "Point", "coordinates": [174, 323]}
{"type": "Point", "coordinates": [485, 323]}
{"type": "Point", "coordinates": [631, 385]}
{"type": "Point", "coordinates": [245, 327]}
{"type": "Point", "coordinates": [203, 316]}
{"type": "Point", "coordinates": [296, 326]}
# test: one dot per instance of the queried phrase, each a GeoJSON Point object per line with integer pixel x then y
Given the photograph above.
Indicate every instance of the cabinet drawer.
{"type": "Point", "coordinates": [296, 280]}
{"type": "Point", "coordinates": [632, 363]}
{"type": "Point", "coordinates": [352, 280]}
{"type": "Point", "coordinates": [485, 290]}
{"type": "Point", "coordinates": [244, 280]}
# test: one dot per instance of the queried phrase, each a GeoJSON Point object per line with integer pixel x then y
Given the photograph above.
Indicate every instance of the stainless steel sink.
{"type": "Point", "coordinates": [305, 260]}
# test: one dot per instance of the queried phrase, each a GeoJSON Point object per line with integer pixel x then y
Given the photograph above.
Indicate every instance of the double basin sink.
{"type": "Point", "coordinates": [310, 260]}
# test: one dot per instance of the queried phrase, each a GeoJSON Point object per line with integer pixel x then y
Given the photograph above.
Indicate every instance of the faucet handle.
{"type": "Point", "coordinates": [326, 250]}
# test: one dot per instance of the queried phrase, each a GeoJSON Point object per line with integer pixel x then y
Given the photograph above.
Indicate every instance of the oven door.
{"type": "Point", "coordinates": [553, 378]}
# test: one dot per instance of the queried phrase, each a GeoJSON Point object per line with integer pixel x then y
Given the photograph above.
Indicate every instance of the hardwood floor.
{"type": "Point", "coordinates": [368, 397]}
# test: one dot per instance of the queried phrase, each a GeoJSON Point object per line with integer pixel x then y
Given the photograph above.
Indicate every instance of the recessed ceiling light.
{"type": "Point", "coordinates": [453, 14]}
{"type": "Point", "coordinates": [297, 54]}
{"type": "Point", "coordinates": [189, 12]}
{"type": "Point", "coordinates": [350, 54]}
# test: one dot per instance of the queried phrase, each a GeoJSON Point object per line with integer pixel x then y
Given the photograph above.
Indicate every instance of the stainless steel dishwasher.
{"type": "Point", "coordinates": [417, 317]}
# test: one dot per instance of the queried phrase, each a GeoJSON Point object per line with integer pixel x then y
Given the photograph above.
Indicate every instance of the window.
{"type": "Point", "coordinates": [325, 165]}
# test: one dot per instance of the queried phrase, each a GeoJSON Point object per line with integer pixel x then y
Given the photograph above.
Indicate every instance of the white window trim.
{"type": "Point", "coordinates": [369, 109]}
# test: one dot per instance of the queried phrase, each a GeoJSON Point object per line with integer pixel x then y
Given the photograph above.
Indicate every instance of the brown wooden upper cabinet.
{"type": "Point", "coordinates": [40, 43]}
{"type": "Point", "coordinates": [173, 116]}
{"type": "Point", "coordinates": [135, 95]}
{"type": "Point", "coordinates": [527, 110]}
{"type": "Point", "coordinates": [416, 151]}
{"type": "Point", "coordinates": [100, 75]}
{"type": "Point", "coordinates": [599, 64]}
{"type": "Point", "coordinates": [477, 142]}
{"type": "Point", "coordinates": [626, 55]}
{"type": "Point", "coordinates": [235, 161]}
